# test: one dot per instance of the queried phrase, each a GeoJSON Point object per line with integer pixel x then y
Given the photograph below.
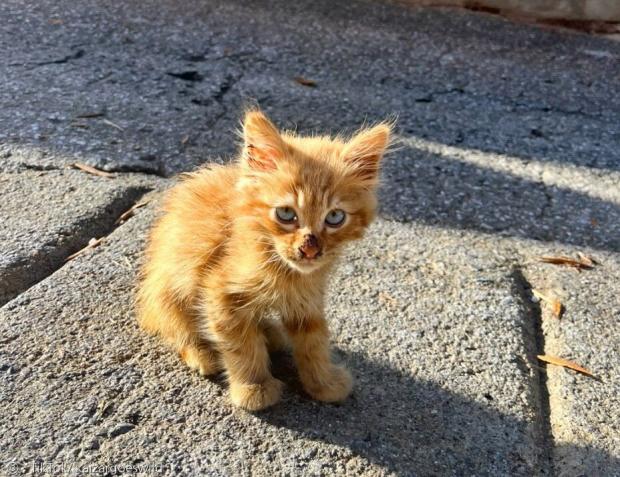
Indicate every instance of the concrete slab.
{"type": "Point", "coordinates": [49, 214]}
{"type": "Point", "coordinates": [432, 329]}
{"type": "Point", "coordinates": [585, 414]}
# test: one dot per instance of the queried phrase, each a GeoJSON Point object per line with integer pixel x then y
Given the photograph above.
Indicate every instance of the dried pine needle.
{"type": "Point", "coordinates": [92, 170]}
{"type": "Point", "coordinates": [564, 363]}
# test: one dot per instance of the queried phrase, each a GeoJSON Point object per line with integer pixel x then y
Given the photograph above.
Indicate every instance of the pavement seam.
{"type": "Point", "coordinates": [533, 334]}
{"type": "Point", "coordinates": [42, 268]}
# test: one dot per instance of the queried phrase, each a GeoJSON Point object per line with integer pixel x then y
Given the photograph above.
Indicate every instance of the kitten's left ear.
{"type": "Point", "coordinates": [263, 146]}
{"type": "Point", "coordinates": [365, 151]}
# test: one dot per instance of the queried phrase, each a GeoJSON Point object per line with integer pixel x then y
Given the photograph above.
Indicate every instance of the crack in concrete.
{"type": "Point", "coordinates": [225, 87]}
{"type": "Point", "coordinates": [548, 196]}
{"type": "Point", "coordinates": [123, 168]}
{"type": "Point", "coordinates": [566, 112]}
{"type": "Point", "coordinates": [20, 279]}
{"type": "Point", "coordinates": [548, 202]}
{"type": "Point", "coordinates": [533, 334]}
{"type": "Point", "coordinates": [65, 59]}
{"type": "Point", "coordinates": [137, 168]}
{"type": "Point", "coordinates": [465, 90]}
{"type": "Point", "coordinates": [220, 97]}
{"type": "Point", "coordinates": [38, 167]}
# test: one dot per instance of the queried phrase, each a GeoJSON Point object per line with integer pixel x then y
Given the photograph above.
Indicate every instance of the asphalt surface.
{"type": "Point", "coordinates": [509, 150]}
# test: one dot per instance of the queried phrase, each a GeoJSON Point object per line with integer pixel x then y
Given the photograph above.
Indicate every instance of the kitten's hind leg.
{"type": "Point", "coordinates": [177, 327]}
{"type": "Point", "coordinates": [202, 357]}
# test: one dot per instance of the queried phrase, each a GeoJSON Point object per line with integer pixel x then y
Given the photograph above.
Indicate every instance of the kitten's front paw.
{"type": "Point", "coordinates": [255, 397]}
{"type": "Point", "coordinates": [334, 387]}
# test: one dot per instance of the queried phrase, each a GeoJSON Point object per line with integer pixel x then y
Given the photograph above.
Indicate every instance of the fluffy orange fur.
{"type": "Point", "coordinates": [260, 235]}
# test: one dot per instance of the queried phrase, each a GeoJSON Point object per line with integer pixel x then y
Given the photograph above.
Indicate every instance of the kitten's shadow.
{"type": "Point", "coordinates": [415, 427]}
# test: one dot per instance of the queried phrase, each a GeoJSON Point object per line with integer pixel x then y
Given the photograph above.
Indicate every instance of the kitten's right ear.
{"type": "Point", "coordinates": [263, 146]}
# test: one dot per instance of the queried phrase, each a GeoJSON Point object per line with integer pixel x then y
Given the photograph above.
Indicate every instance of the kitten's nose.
{"type": "Point", "coordinates": [310, 247]}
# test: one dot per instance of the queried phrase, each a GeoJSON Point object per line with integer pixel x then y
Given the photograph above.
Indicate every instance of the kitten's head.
{"type": "Point", "coordinates": [307, 196]}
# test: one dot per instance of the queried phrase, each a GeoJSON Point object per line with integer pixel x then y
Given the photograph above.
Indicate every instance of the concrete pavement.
{"type": "Point", "coordinates": [438, 391]}
{"type": "Point", "coordinates": [509, 150]}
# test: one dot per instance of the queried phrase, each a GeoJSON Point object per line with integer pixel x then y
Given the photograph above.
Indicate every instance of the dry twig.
{"type": "Point", "coordinates": [114, 125]}
{"type": "Point", "coordinates": [554, 303]}
{"type": "Point", "coordinates": [92, 243]}
{"type": "Point", "coordinates": [305, 81]}
{"type": "Point", "coordinates": [130, 212]}
{"type": "Point", "coordinates": [92, 170]}
{"type": "Point", "coordinates": [583, 262]}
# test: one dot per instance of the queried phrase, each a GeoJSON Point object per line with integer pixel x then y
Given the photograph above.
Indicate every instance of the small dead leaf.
{"type": "Point", "coordinates": [130, 212]}
{"type": "Point", "coordinates": [564, 363]}
{"type": "Point", "coordinates": [55, 21]}
{"type": "Point", "coordinates": [305, 81]}
{"type": "Point", "coordinates": [580, 263]}
{"type": "Point", "coordinates": [554, 303]}
{"type": "Point", "coordinates": [92, 243]}
{"type": "Point", "coordinates": [587, 260]}
{"type": "Point", "coordinates": [92, 170]}
{"type": "Point", "coordinates": [184, 140]}
{"type": "Point", "coordinates": [114, 125]}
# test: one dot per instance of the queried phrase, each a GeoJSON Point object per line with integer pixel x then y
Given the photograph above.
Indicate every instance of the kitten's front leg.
{"type": "Point", "coordinates": [321, 378]}
{"type": "Point", "coordinates": [243, 348]}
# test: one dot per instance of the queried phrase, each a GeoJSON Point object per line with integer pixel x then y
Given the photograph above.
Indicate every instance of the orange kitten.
{"type": "Point", "coordinates": [262, 234]}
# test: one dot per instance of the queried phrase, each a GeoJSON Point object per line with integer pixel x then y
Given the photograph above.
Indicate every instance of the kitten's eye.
{"type": "Point", "coordinates": [335, 218]}
{"type": "Point", "coordinates": [286, 215]}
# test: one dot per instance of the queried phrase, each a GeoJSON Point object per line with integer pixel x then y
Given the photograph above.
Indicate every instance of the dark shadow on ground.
{"type": "Point", "coordinates": [414, 427]}
{"type": "Point", "coordinates": [433, 189]}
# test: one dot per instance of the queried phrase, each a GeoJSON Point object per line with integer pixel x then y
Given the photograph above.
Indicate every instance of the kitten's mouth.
{"type": "Point", "coordinates": [300, 263]}
{"type": "Point", "coordinates": [304, 265]}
